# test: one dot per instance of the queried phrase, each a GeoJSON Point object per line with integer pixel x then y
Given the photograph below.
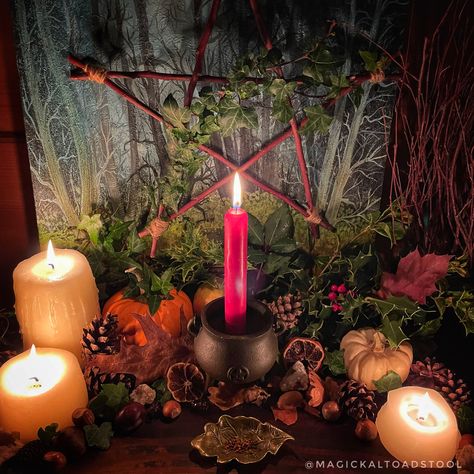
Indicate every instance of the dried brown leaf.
{"type": "Point", "coordinates": [151, 361]}
{"type": "Point", "coordinates": [288, 416]}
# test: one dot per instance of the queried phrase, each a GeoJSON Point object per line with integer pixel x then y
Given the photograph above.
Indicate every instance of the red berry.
{"type": "Point", "coordinates": [335, 307]}
{"type": "Point", "coordinates": [334, 287]}
{"type": "Point", "coordinates": [342, 289]}
{"type": "Point", "coordinates": [332, 296]}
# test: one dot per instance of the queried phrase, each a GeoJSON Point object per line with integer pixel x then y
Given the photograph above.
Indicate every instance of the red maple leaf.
{"type": "Point", "coordinates": [416, 276]}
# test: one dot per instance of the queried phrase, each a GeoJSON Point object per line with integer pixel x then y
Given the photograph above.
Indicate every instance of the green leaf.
{"type": "Point", "coordinates": [47, 434]}
{"type": "Point", "coordinates": [370, 60]}
{"type": "Point", "coordinates": [92, 226]}
{"type": "Point", "coordinates": [134, 243]}
{"type": "Point", "coordinates": [285, 245]}
{"type": "Point", "coordinates": [282, 92]}
{"type": "Point", "coordinates": [257, 256]}
{"type": "Point", "coordinates": [99, 436]}
{"type": "Point", "coordinates": [391, 328]}
{"type": "Point", "coordinates": [154, 302]}
{"type": "Point", "coordinates": [383, 229]}
{"type": "Point", "coordinates": [335, 362]}
{"type": "Point", "coordinates": [256, 231]}
{"type": "Point", "coordinates": [465, 417]}
{"type": "Point", "coordinates": [388, 382]}
{"type": "Point", "coordinates": [162, 392]}
{"type": "Point", "coordinates": [429, 329]}
{"type": "Point", "coordinates": [400, 304]}
{"type": "Point", "coordinates": [234, 116]}
{"type": "Point", "coordinates": [276, 263]}
{"type": "Point", "coordinates": [117, 395]}
{"type": "Point", "coordinates": [318, 120]}
{"type": "Point", "coordinates": [279, 225]}
{"type": "Point", "coordinates": [174, 114]}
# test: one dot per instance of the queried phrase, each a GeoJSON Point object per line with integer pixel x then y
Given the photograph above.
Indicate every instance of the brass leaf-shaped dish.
{"type": "Point", "coordinates": [242, 438]}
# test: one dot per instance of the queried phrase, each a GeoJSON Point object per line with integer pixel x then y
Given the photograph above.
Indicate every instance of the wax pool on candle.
{"type": "Point", "coordinates": [55, 298]}
{"type": "Point", "coordinates": [40, 387]}
{"type": "Point", "coordinates": [235, 264]}
{"type": "Point", "coordinates": [417, 425]}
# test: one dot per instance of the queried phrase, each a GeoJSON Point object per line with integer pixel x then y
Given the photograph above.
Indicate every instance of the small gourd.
{"type": "Point", "coordinates": [368, 357]}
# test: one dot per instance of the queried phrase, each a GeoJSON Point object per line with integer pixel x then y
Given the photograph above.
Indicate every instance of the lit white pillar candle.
{"type": "Point", "coordinates": [40, 387]}
{"type": "Point", "coordinates": [417, 425]}
{"type": "Point", "coordinates": [55, 298]}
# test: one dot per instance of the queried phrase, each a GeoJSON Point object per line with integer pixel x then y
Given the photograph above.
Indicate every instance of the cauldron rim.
{"type": "Point", "coordinates": [255, 309]}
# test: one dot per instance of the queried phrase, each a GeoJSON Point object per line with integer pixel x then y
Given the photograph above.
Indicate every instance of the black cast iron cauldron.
{"type": "Point", "coordinates": [235, 358]}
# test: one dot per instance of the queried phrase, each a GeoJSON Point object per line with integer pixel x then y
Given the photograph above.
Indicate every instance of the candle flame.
{"type": "Point", "coordinates": [32, 355]}
{"type": "Point", "coordinates": [237, 201]}
{"type": "Point", "coordinates": [424, 407]}
{"type": "Point", "coordinates": [50, 255]}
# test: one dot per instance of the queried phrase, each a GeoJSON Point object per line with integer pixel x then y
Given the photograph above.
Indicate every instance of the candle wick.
{"type": "Point", "coordinates": [51, 265]}
{"type": "Point", "coordinates": [36, 379]}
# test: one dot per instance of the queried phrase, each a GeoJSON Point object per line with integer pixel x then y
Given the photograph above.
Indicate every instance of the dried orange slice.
{"type": "Point", "coordinates": [185, 382]}
{"type": "Point", "coordinates": [306, 350]}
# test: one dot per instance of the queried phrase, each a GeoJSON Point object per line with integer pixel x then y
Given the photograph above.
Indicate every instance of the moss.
{"type": "Point", "coordinates": [65, 237]}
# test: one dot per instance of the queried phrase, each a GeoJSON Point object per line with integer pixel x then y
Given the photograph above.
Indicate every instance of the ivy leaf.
{"type": "Point", "coordinates": [257, 256]}
{"type": "Point", "coordinates": [388, 382]}
{"type": "Point", "coordinates": [277, 264]}
{"type": "Point", "coordinates": [99, 436]}
{"type": "Point", "coordinates": [282, 92]}
{"type": "Point", "coordinates": [256, 231]}
{"type": "Point", "coordinates": [465, 417]}
{"type": "Point", "coordinates": [174, 114]}
{"type": "Point", "coordinates": [370, 60]}
{"type": "Point", "coordinates": [110, 400]}
{"type": "Point", "coordinates": [318, 120]}
{"type": "Point", "coordinates": [391, 329]}
{"type": "Point", "coordinates": [383, 229]}
{"type": "Point", "coordinates": [234, 116]}
{"type": "Point", "coordinates": [279, 225]}
{"type": "Point", "coordinates": [92, 226]}
{"type": "Point", "coordinates": [285, 245]}
{"type": "Point", "coordinates": [47, 434]}
{"type": "Point", "coordinates": [335, 362]}
{"type": "Point", "coordinates": [416, 276]}
{"type": "Point", "coordinates": [134, 243]}
{"type": "Point", "coordinates": [162, 392]}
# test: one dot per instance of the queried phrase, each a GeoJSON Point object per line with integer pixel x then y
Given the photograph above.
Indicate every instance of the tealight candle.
{"type": "Point", "coordinates": [40, 387]}
{"type": "Point", "coordinates": [417, 425]}
{"type": "Point", "coordinates": [55, 298]}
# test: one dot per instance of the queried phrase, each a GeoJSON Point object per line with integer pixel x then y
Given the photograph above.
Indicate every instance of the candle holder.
{"type": "Point", "coordinates": [241, 358]}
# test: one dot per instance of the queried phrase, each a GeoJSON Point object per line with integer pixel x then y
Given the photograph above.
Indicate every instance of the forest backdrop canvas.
{"type": "Point", "coordinates": [91, 152]}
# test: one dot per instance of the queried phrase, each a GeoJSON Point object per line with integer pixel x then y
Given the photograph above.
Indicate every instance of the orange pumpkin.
{"type": "Point", "coordinates": [204, 295]}
{"type": "Point", "coordinates": [168, 315]}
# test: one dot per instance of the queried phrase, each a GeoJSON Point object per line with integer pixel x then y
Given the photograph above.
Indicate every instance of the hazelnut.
{"type": "Point", "coordinates": [56, 458]}
{"type": "Point", "coordinates": [83, 416]}
{"type": "Point", "coordinates": [366, 430]}
{"type": "Point", "coordinates": [331, 411]}
{"type": "Point", "coordinates": [171, 409]}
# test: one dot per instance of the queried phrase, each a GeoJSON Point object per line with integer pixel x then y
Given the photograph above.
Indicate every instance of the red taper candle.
{"type": "Point", "coordinates": [235, 264]}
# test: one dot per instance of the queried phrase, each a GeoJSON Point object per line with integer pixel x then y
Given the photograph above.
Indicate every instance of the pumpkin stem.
{"type": "Point", "coordinates": [379, 343]}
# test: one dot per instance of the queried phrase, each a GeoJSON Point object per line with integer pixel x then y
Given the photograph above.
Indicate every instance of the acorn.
{"type": "Point", "coordinates": [171, 409]}
{"type": "Point", "coordinates": [72, 442]}
{"type": "Point", "coordinates": [331, 411]}
{"type": "Point", "coordinates": [130, 417]}
{"type": "Point", "coordinates": [56, 459]}
{"type": "Point", "coordinates": [366, 430]}
{"type": "Point", "coordinates": [83, 417]}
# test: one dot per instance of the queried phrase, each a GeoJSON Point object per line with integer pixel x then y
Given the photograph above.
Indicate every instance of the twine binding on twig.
{"type": "Point", "coordinates": [96, 73]}
{"type": "Point", "coordinates": [157, 227]}
{"type": "Point", "coordinates": [314, 217]}
{"type": "Point", "coordinates": [377, 76]}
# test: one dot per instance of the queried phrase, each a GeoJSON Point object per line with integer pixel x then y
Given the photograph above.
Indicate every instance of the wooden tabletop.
{"type": "Point", "coordinates": [164, 448]}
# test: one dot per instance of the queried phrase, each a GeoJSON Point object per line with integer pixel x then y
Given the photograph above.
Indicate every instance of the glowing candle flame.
{"type": "Point", "coordinates": [237, 201]}
{"type": "Point", "coordinates": [50, 255]}
{"type": "Point", "coordinates": [424, 408]}
{"type": "Point", "coordinates": [32, 355]}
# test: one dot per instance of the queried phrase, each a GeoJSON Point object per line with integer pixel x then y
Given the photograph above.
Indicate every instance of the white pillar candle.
{"type": "Point", "coordinates": [55, 298]}
{"type": "Point", "coordinates": [417, 426]}
{"type": "Point", "coordinates": [40, 387]}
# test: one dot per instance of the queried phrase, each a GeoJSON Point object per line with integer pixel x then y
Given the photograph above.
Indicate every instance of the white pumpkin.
{"type": "Point", "coordinates": [368, 357]}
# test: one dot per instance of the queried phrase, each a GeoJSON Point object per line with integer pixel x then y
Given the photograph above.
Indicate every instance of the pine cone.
{"type": "Point", "coordinates": [357, 400]}
{"type": "Point", "coordinates": [101, 336]}
{"type": "Point", "coordinates": [287, 309]}
{"type": "Point", "coordinates": [95, 379]}
{"type": "Point", "coordinates": [28, 459]}
{"type": "Point", "coordinates": [432, 374]}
